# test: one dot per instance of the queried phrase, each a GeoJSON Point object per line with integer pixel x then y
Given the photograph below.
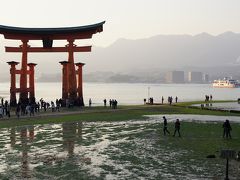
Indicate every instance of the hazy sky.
{"type": "Point", "coordinates": [131, 19]}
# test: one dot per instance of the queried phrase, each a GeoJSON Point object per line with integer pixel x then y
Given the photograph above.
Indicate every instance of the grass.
{"type": "Point", "coordinates": [206, 138]}
{"type": "Point", "coordinates": [107, 114]}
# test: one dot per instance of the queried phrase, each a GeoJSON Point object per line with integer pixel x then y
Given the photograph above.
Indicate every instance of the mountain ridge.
{"type": "Point", "coordinates": [156, 52]}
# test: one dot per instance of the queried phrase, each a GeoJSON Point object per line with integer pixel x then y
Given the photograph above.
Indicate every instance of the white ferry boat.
{"type": "Point", "coordinates": [226, 83]}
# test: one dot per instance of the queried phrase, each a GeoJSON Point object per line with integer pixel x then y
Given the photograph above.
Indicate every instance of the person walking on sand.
{"type": "Point", "coordinates": [165, 126]}
{"type": "Point", "coordinates": [227, 129]}
{"type": "Point", "coordinates": [177, 128]}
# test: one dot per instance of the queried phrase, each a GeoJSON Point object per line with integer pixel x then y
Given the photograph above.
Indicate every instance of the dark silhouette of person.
{"type": "Point", "coordinates": [18, 109]}
{"type": "Point", "coordinates": [151, 100]}
{"type": "Point", "coordinates": [110, 102]}
{"type": "Point", "coordinates": [206, 98]}
{"type": "Point", "coordinates": [227, 129]}
{"type": "Point", "coordinates": [177, 128]}
{"type": "Point", "coordinates": [176, 99]}
{"type": "Point", "coordinates": [90, 102]}
{"type": "Point", "coordinates": [105, 102]}
{"type": "Point", "coordinates": [162, 99]}
{"type": "Point", "coordinates": [165, 126]}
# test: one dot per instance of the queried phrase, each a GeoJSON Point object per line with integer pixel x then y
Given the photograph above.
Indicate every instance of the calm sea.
{"type": "Point", "coordinates": [129, 93]}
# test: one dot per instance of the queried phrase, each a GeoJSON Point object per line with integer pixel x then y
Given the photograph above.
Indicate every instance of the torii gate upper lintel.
{"type": "Point", "coordinates": [72, 89]}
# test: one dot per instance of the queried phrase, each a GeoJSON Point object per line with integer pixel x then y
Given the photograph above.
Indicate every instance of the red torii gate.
{"type": "Point", "coordinates": [71, 90]}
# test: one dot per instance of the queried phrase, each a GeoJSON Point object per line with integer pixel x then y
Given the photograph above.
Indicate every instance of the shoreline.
{"type": "Point", "coordinates": [101, 113]}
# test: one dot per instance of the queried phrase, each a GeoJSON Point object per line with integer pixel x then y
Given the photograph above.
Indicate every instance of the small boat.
{"type": "Point", "coordinates": [226, 83]}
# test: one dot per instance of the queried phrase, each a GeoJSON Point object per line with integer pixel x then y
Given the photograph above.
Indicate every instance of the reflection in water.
{"type": "Point", "coordinates": [31, 132]}
{"type": "Point", "coordinates": [79, 130]}
{"type": "Point", "coordinates": [100, 150]}
{"type": "Point", "coordinates": [69, 135]}
{"type": "Point", "coordinates": [13, 136]}
{"type": "Point", "coordinates": [25, 164]}
{"type": "Point", "coordinates": [26, 138]}
{"type": "Point", "coordinates": [70, 132]}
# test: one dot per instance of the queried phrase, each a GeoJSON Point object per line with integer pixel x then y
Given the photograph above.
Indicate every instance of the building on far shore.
{"type": "Point", "coordinates": [175, 77]}
{"type": "Point", "coordinates": [206, 78]}
{"type": "Point", "coordinates": [195, 77]}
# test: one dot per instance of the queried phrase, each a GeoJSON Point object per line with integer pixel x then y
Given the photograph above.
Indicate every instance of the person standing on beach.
{"type": "Point", "coordinates": [177, 128]}
{"type": "Point", "coordinates": [90, 102]}
{"type": "Point", "coordinates": [210, 97]}
{"type": "Point", "coordinates": [227, 129]}
{"type": "Point", "coordinates": [110, 102]}
{"type": "Point", "coordinates": [1, 111]}
{"type": "Point", "coordinates": [165, 126]}
{"type": "Point", "coordinates": [105, 102]}
{"type": "Point", "coordinates": [18, 109]}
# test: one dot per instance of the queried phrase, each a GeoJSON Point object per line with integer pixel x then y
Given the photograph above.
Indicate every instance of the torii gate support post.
{"type": "Point", "coordinates": [71, 73]}
{"type": "Point", "coordinates": [80, 83]}
{"type": "Point", "coordinates": [13, 90]}
{"type": "Point", "coordinates": [64, 82]}
{"type": "Point", "coordinates": [31, 82]}
{"type": "Point", "coordinates": [23, 77]}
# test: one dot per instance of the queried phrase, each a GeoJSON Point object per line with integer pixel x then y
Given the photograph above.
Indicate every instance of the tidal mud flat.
{"type": "Point", "coordinates": [117, 150]}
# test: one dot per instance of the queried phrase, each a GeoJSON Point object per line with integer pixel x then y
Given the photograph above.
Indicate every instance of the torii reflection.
{"type": "Point", "coordinates": [13, 136]}
{"type": "Point", "coordinates": [26, 135]}
{"type": "Point", "coordinates": [71, 131]}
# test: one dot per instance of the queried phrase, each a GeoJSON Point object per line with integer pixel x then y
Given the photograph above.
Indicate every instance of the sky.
{"type": "Point", "coordinates": [129, 19]}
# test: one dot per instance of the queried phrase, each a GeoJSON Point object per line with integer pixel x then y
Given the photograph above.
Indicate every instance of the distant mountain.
{"type": "Point", "coordinates": [168, 51]}
{"type": "Point", "coordinates": [148, 57]}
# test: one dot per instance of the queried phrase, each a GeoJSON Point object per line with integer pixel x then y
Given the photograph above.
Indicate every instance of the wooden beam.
{"type": "Point", "coordinates": [53, 49]}
{"type": "Point", "coordinates": [82, 35]}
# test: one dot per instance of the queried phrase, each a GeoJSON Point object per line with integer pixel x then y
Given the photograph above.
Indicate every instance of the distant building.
{"type": "Point", "coordinates": [206, 78]}
{"type": "Point", "coordinates": [195, 77]}
{"type": "Point", "coordinates": [175, 77]}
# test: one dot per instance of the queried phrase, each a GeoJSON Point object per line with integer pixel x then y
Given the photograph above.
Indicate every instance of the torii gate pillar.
{"type": "Point", "coordinates": [80, 83]}
{"type": "Point", "coordinates": [64, 82]}
{"type": "Point", "coordinates": [13, 90]}
{"type": "Point", "coordinates": [71, 73]}
{"type": "Point", "coordinates": [31, 82]}
{"type": "Point", "coordinates": [23, 75]}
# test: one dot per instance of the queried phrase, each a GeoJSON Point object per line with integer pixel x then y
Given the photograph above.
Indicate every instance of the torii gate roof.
{"type": "Point", "coordinates": [77, 32]}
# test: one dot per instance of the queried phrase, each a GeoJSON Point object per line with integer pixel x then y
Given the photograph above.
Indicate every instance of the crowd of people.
{"type": "Point", "coordinates": [169, 100]}
{"type": "Point", "coordinates": [5, 109]}
{"type": "Point", "coordinates": [208, 98]}
{"type": "Point", "coordinates": [112, 103]}
{"type": "Point", "coordinates": [29, 108]}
